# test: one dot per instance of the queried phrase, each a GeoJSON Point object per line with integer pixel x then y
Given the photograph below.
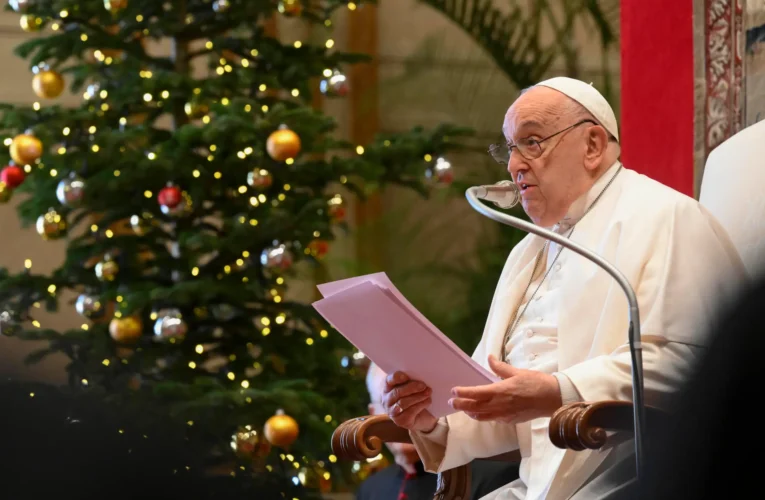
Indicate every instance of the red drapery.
{"type": "Point", "coordinates": [657, 94]}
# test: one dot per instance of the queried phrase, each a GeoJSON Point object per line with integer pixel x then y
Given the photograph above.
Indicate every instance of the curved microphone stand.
{"type": "Point", "coordinates": [505, 194]}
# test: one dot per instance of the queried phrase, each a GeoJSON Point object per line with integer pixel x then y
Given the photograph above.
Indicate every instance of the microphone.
{"type": "Point", "coordinates": [506, 194]}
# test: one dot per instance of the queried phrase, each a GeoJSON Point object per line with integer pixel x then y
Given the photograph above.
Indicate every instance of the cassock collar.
{"type": "Point", "coordinates": [580, 206]}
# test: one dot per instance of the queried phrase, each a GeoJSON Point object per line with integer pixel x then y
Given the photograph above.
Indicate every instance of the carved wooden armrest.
{"type": "Point", "coordinates": [581, 426]}
{"type": "Point", "coordinates": [363, 437]}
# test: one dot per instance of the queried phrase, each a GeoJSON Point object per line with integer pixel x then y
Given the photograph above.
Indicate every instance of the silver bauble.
{"type": "Point", "coordinates": [221, 5]}
{"type": "Point", "coordinates": [20, 5]}
{"type": "Point", "coordinates": [335, 85]}
{"type": "Point", "coordinates": [260, 178]}
{"type": "Point", "coordinates": [9, 325]}
{"type": "Point", "coordinates": [276, 257]}
{"type": "Point", "coordinates": [441, 173]}
{"type": "Point", "coordinates": [89, 306]}
{"type": "Point", "coordinates": [71, 191]}
{"type": "Point", "coordinates": [170, 325]}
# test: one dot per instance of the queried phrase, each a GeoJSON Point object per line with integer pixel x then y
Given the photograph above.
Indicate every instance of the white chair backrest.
{"type": "Point", "coordinates": [733, 190]}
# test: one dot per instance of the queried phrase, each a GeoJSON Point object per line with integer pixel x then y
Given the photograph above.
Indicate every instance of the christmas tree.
{"type": "Point", "coordinates": [186, 198]}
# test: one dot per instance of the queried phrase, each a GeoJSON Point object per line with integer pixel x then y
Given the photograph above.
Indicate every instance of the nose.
{"type": "Point", "coordinates": [516, 166]}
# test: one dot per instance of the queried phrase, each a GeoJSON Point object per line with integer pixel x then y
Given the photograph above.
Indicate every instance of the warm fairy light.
{"type": "Point", "coordinates": [254, 201]}
{"type": "Point", "coordinates": [209, 45]}
{"type": "Point", "coordinates": [109, 233]}
{"type": "Point", "coordinates": [248, 150]}
{"type": "Point", "coordinates": [62, 150]}
{"type": "Point", "coordinates": [36, 323]}
{"type": "Point", "coordinates": [165, 94]}
{"type": "Point", "coordinates": [241, 155]}
{"type": "Point", "coordinates": [119, 298]}
{"type": "Point", "coordinates": [95, 148]}
{"type": "Point", "coordinates": [277, 299]}
{"type": "Point", "coordinates": [196, 173]}
{"type": "Point", "coordinates": [242, 189]}
{"type": "Point", "coordinates": [36, 105]}
{"type": "Point", "coordinates": [351, 6]}
{"type": "Point", "coordinates": [66, 131]}
{"type": "Point", "coordinates": [92, 129]}
{"type": "Point", "coordinates": [199, 349]}
{"type": "Point", "coordinates": [116, 173]}
{"type": "Point", "coordinates": [152, 156]}
{"type": "Point", "coordinates": [222, 61]}
{"type": "Point", "coordinates": [213, 147]}
{"type": "Point", "coordinates": [287, 187]}
{"type": "Point", "coordinates": [343, 179]}
{"type": "Point", "coordinates": [245, 62]}
{"type": "Point", "coordinates": [118, 314]}
{"type": "Point", "coordinates": [316, 234]}
{"type": "Point", "coordinates": [190, 423]}
{"type": "Point", "coordinates": [253, 222]}
{"type": "Point", "coordinates": [328, 418]}
{"type": "Point", "coordinates": [247, 108]}
{"type": "Point", "coordinates": [147, 97]}
{"type": "Point", "coordinates": [217, 175]}
{"type": "Point", "coordinates": [148, 194]}
{"type": "Point", "coordinates": [52, 289]}
{"type": "Point", "coordinates": [210, 158]}
{"type": "Point", "coordinates": [8, 141]}
{"type": "Point", "coordinates": [324, 334]}
{"type": "Point", "coordinates": [428, 157]}
{"type": "Point", "coordinates": [281, 197]}
{"type": "Point", "coordinates": [245, 384]}
{"type": "Point", "coordinates": [328, 23]}
{"type": "Point", "coordinates": [94, 228]}
{"type": "Point", "coordinates": [123, 121]}
{"type": "Point", "coordinates": [279, 280]}
{"type": "Point", "coordinates": [105, 362]}
{"type": "Point", "coordinates": [309, 341]}
{"type": "Point", "coordinates": [231, 375]}
{"type": "Point", "coordinates": [220, 70]}
{"type": "Point", "coordinates": [262, 87]}
{"type": "Point", "coordinates": [280, 319]}
{"type": "Point", "coordinates": [225, 101]}
{"type": "Point", "coordinates": [85, 326]}
{"type": "Point", "coordinates": [359, 150]}
{"type": "Point", "coordinates": [327, 72]}
{"type": "Point", "coordinates": [139, 18]}
{"type": "Point", "coordinates": [298, 44]}
{"type": "Point", "coordinates": [295, 92]}
{"type": "Point", "coordinates": [254, 52]}
{"type": "Point", "coordinates": [386, 143]}
{"type": "Point", "coordinates": [228, 68]}
{"type": "Point", "coordinates": [330, 43]}
{"type": "Point", "coordinates": [85, 382]}
{"type": "Point", "coordinates": [206, 119]}
{"type": "Point", "coordinates": [265, 321]}
{"type": "Point", "coordinates": [192, 365]}
{"type": "Point", "coordinates": [195, 271]}
{"type": "Point", "coordinates": [266, 331]}
{"type": "Point", "coordinates": [53, 172]}
{"type": "Point", "coordinates": [108, 60]}
{"type": "Point", "coordinates": [103, 94]}
{"type": "Point", "coordinates": [262, 198]}
{"type": "Point", "coordinates": [245, 279]}
{"type": "Point", "coordinates": [153, 316]}
{"type": "Point", "coordinates": [28, 168]}
{"type": "Point", "coordinates": [289, 161]}
{"type": "Point", "coordinates": [245, 254]}
{"type": "Point", "coordinates": [84, 37]}
{"type": "Point", "coordinates": [264, 108]}
{"type": "Point", "coordinates": [227, 269]}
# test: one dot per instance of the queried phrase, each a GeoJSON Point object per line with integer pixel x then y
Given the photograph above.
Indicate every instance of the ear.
{"type": "Point", "coordinates": [597, 143]}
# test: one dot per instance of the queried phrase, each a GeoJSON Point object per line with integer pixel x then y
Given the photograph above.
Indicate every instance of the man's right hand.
{"type": "Point", "coordinates": [405, 401]}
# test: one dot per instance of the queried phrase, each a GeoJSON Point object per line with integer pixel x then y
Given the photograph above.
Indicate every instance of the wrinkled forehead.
{"type": "Point", "coordinates": [536, 111]}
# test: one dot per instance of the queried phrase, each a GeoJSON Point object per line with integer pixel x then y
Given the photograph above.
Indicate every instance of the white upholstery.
{"type": "Point", "coordinates": [733, 189]}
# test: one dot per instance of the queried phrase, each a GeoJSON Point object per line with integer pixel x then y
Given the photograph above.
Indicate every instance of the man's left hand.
{"type": "Point", "coordinates": [522, 395]}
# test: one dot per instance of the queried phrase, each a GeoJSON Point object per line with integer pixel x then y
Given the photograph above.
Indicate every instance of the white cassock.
{"type": "Point", "coordinates": [681, 264]}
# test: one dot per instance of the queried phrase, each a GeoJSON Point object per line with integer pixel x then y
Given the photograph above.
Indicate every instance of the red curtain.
{"type": "Point", "coordinates": [657, 94]}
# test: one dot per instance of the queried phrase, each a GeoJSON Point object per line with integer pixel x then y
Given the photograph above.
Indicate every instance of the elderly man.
{"type": "Point", "coordinates": [557, 328]}
{"type": "Point", "coordinates": [408, 480]}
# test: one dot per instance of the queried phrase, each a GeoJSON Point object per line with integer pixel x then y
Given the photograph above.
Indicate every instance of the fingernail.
{"type": "Point", "coordinates": [451, 402]}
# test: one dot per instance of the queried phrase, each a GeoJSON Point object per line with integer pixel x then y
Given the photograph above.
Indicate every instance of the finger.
{"type": "Point", "coordinates": [407, 418]}
{"type": "Point", "coordinates": [410, 401]}
{"type": "Point", "coordinates": [394, 379]}
{"type": "Point", "coordinates": [469, 405]}
{"type": "Point", "coordinates": [401, 391]}
{"type": "Point", "coordinates": [503, 370]}
{"type": "Point", "coordinates": [478, 393]}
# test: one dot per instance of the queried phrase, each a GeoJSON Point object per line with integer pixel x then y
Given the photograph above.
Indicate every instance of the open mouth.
{"type": "Point", "coordinates": [525, 187]}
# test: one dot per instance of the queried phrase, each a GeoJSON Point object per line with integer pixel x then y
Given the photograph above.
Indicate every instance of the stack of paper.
{"type": "Point", "coordinates": [376, 318]}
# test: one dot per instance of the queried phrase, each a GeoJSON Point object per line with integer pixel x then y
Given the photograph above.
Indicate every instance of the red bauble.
{"type": "Point", "coordinates": [318, 248]}
{"type": "Point", "coordinates": [170, 196]}
{"type": "Point", "coordinates": [12, 176]}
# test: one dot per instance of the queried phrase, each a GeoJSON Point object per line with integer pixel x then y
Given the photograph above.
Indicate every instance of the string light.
{"type": "Point", "coordinates": [139, 18]}
{"type": "Point", "coordinates": [209, 45]}
{"type": "Point", "coordinates": [228, 68]}
{"type": "Point", "coordinates": [351, 6]}
{"type": "Point", "coordinates": [287, 187]}
{"type": "Point", "coordinates": [330, 43]}
{"type": "Point", "coordinates": [254, 52]}
{"type": "Point", "coordinates": [266, 331]}
{"type": "Point", "coordinates": [295, 92]}
{"type": "Point", "coordinates": [264, 108]}
{"type": "Point", "coordinates": [53, 172]}
{"type": "Point", "coordinates": [84, 37]}
{"type": "Point", "coordinates": [328, 418]}
{"type": "Point", "coordinates": [27, 168]}
{"type": "Point", "coordinates": [220, 70]}
{"type": "Point", "coordinates": [116, 173]}
{"type": "Point", "coordinates": [245, 384]}
{"type": "Point", "coordinates": [36, 106]}
{"type": "Point", "coordinates": [192, 365]}
{"type": "Point", "coordinates": [94, 228]}
{"type": "Point", "coordinates": [195, 271]}
{"type": "Point", "coordinates": [324, 334]}
{"type": "Point", "coordinates": [85, 326]}
{"type": "Point", "coordinates": [147, 97]}
{"type": "Point", "coordinates": [298, 44]}
{"type": "Point", "coordinates": [309, 341]}
{"type": "Point", "coordinates": [105, 362]}
{"type": "Point", "coordinates": [148, 194]}
{"type": "Point", "coordinates": [8, 141]}
{"type": "Point", "coordinates": [196, 173]}
{"type": "Point", "coordinates": [428, 157]}
{"type": "Point", "coordinates": [231, 375]}
{"type": "Point", "coordinates": [217, 175]}
{"type": "Point", "coordinates": [246, 63]}
{"type": "Point", "coordinates": [199, 349]}
{"type": "Point", "coordinates": [289, 161]}
{"type": "Point", "coordinates": [165, 94]}
{"type": "Point", "coordinates": [206, 119]}
{"type": "Point", "coordinates": [359, 150]}
{"type": "Point", "coordinates": [225, 101]}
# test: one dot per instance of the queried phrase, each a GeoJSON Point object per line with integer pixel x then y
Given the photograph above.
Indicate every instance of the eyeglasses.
{"type": "Point", "coordinates": [530, 149]}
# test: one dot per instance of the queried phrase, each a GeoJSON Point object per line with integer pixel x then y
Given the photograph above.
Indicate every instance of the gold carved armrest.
{"type": "Point", "coordinates": [581, 426]}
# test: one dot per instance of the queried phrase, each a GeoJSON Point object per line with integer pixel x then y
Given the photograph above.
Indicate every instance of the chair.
{"type": "Point", "coordinates": [733, 171]}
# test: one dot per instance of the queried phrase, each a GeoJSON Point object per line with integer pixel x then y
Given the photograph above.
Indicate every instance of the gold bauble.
{"type": "Point", "coordinates": [250, 444]}
{"type": "Point", "coordinates": [48, 84]}
{"type": "Point", "coordinates": [31, 23]}
{"type": "Point", "coordinates": [5, 192]}
{"type": "Point", "coordinates": [290, 7]}
{"type": "Point", "coordinates": [51, 225]}
{"type": "Point", "coordinates": [107, 270]}
{"type": "Point", "coordinates": [115, 6]}
{"type": "Point", "coordinates": [126, 330]}
{"type": "Point", "coordinates": [196, 110]}
{"type": "Point", "coordinates": [26, 149]}
{"type": "Point", "coordinates": [281, 430]}
{"type": "Point", "coordinates": [283, 144]}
